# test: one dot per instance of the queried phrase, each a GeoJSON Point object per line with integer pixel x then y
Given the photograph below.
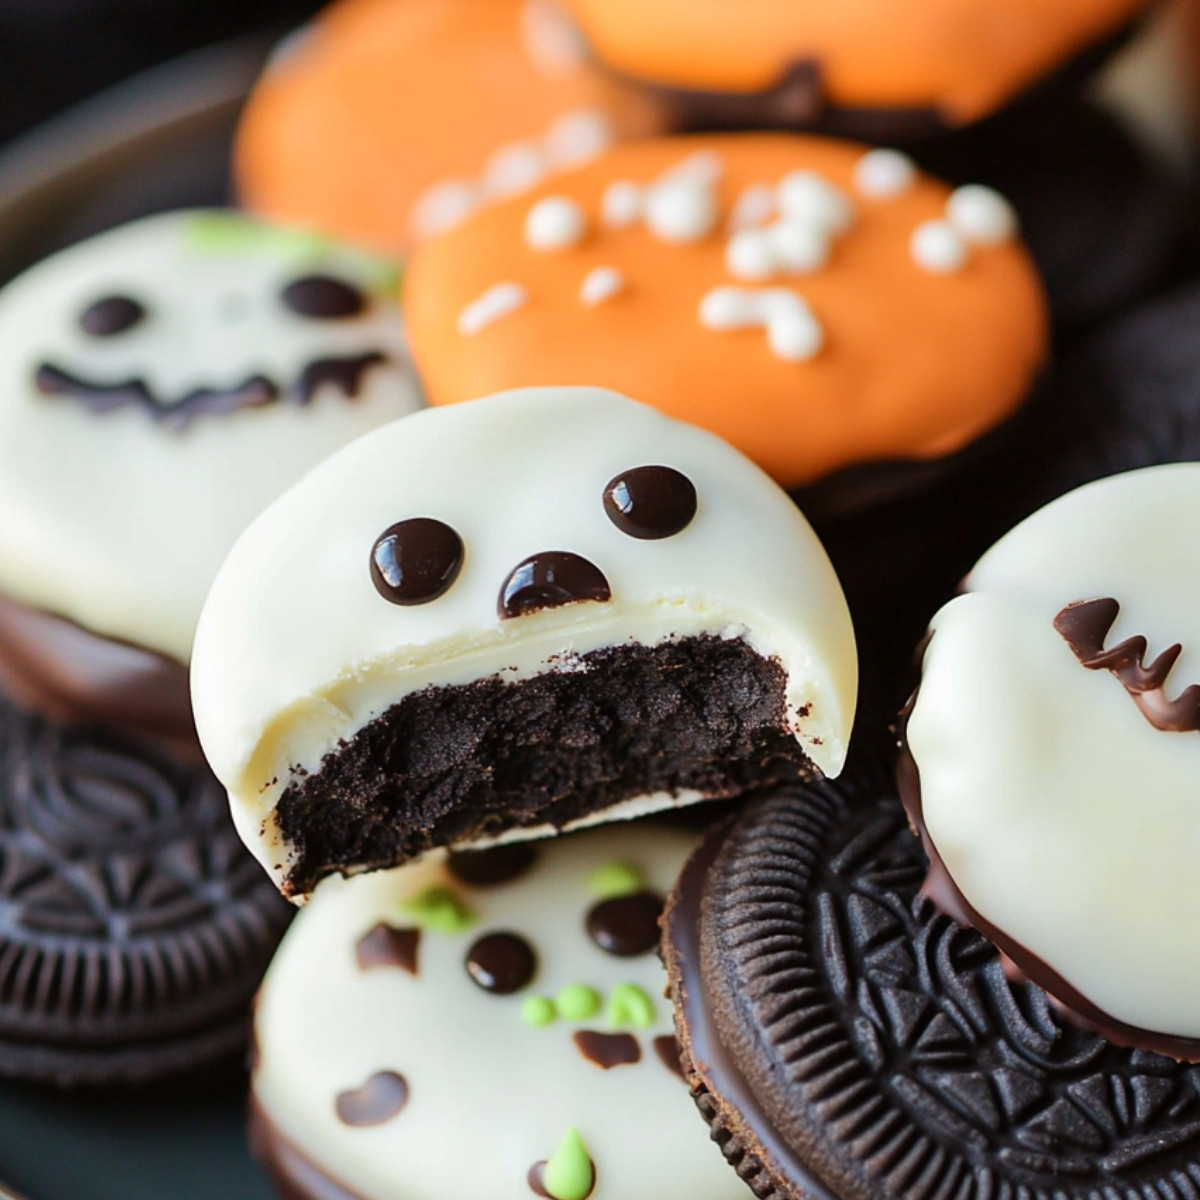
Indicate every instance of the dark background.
{"type": "Point", "coordinates": [54, 52]}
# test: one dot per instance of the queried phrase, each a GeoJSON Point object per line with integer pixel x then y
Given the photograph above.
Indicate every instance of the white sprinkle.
{"type": "Point", "coordinates": [443, 206]}
{"type": "Point", "coordinates": [495, 303]}
{"type": "Point", "coordinates": [799, 248]}
{"type": "Point", "coordinates": [729, 308]}
{"type": "Point", "coordinates": [514, 168]}
{"type": "Point", "coordinates": [981, 215]}
{"type": "Point", "coordinates": [622, 204]}
{"type": "Point", "coordinates": [808, 197]}
{"type": "Point", "coordinates": [883, 174]}
{"type": "Point", "coordinates": [794, 334]}
{"type": "Point", "coordinates": [555, 223]}
{"type": "Point", "coordinates": [755, 206]}
{"type": "Point", "coordinates": [705, 166]}
{"type": "Point", "coordinates": [937, 247]}
{"type": "Point", "coordinates": [600, 285]}
{"type": "Point", "coordinates": [793, 331]}
{"type": "Point", "coordinates": [578, 137]}
{"type": "Point", "coordinates": [749, 255]}
{"type": "Point", "coordinates": [681, 209]}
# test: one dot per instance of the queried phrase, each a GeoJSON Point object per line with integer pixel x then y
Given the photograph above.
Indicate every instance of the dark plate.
{"type": "Point", "coordinates": [159, 141]}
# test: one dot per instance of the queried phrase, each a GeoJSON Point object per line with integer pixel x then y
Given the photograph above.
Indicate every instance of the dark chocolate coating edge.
{"type": "Point", "coordinates": [797, 102]}
{"type": "Point", "coordinates": [941, 889]}
{"type": "Point", "coordinates": [67, 673]}
{"type": "Point", "coordinates": [755, 1154]}
{"type": "Point", "coordinates": [293, 1174]}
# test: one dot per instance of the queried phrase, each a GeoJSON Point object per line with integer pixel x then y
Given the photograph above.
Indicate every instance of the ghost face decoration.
{"type": "Point", "coordinates": [505, 539]}
{"type": "Point", "coordinates": [159, 385]}
{"type": "Point", "coordinates": [1055, 738]}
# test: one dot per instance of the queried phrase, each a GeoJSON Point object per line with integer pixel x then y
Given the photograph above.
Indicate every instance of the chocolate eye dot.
{"type": "Point", "coordinates": [324, 298]}
{"type": "Point", "coordinates": [501, 963]}
{"type": "Point", "coordinates": [111, 315]}
{"type": "Point", "coordinates": [416, 561]}
{"type": "Point", "coordinates": [650, 502]}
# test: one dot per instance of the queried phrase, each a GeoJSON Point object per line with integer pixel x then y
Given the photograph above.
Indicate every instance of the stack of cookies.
{"type": "Point", "coordinates": [547, 480]}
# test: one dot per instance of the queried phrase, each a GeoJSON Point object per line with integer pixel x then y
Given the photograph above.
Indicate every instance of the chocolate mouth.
{"type": "Point", "coordinates": [452, 765]}
{"type": "Point", "coordinates": [257, 391]}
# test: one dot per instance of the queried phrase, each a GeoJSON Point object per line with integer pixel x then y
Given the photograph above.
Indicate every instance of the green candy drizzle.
{"type": "Point", "coordinates": [615, 879]}
{"type": "Point", "coordinates": [440, 910]}
{"type": "Point", "coordinates": [629, 1005]}
{"type": "Point", "coordinates": [570, 1173]}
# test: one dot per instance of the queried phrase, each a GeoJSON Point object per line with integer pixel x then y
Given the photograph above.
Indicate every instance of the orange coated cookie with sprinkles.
{"type": "Point", "coordinates": [383, 121]}
{"type": "Point", "coordinates": [874, 67]}
{"type": "Point", "coordinates": [819, 305]}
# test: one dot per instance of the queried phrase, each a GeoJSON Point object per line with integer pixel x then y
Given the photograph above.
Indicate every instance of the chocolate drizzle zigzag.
{"type": "Point", "coordinates": [880, 1048]}
{"type": "Point", "coordinates": [345, 374]}
{"type": "Point", "coordinates": [1086, 624]}
{"type": "Point", "coordinates": [129, 907]}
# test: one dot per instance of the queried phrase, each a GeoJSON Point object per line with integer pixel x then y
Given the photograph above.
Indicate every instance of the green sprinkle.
{"type": "Point", "coordinates": [629, 1005]}
{"type": "Point", "coordinates": [539, 1011]}
{"type": "Point", "coordinates": [569, 1174]}
{"type": "Point", "coordinates": [440, 910]}
{"type": "Point", "coordinates": [615, 879]}
{"type": "Point", "coordinates": [577, 1002]}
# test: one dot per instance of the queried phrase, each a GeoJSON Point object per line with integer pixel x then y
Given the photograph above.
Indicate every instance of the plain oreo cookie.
{"type": "Point", "coordinates": [846, 1041]}
{"type": "Point", "coordinates": [134, 927]}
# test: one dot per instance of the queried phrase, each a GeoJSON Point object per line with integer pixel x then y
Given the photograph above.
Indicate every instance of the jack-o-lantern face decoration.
{"type": "Point", "coordinates": [159, 385]}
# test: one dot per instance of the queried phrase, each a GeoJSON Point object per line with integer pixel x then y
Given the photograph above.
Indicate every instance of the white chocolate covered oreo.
{"type": "Point", "coordinates": [1056, 735]}
{"type": "Point", "coordinates": [423, 1037]}
{"type": "Point", "coordinates": [159, 384]}
{"type": "Point", "coordinates": [509, 617]}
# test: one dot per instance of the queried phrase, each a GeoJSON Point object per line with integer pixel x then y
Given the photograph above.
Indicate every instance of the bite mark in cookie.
{"type": "Point", "coordinates": [501, 619]}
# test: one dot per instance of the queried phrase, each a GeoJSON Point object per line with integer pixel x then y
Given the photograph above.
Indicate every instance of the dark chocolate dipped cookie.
{"type": "Point", "coordinates": [1126, 397]}
{"type": "Point", "coordinates": [1106, 226]}
{"type": "Point", "coordinates": [846, 1041]}
{"type": "Point", "coordinates": [134, 927]}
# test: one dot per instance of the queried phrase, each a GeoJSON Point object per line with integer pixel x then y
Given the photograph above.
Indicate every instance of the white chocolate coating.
{"type": "Point", "coordinates": [297, 651]}
{"type": "Point", "coordinates": [1067, 820]}
{"type": "Point", "coordinates": [489, 1095]}
{"type": "Point", "coordinates": [117, 521]}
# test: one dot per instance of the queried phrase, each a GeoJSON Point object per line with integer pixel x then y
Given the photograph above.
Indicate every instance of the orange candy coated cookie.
{"type": "Point", "coordinates": [387, 118]}
{"type": "Point", "coordinates": [963, 58]}
{"type": "Point", "coordinates": [816, 304]}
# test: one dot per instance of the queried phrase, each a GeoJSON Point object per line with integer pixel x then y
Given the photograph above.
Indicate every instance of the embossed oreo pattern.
{"type": "Point", "coordinates": [909, 1064]}
{"type": "Point", "coordinates": [133, 925]}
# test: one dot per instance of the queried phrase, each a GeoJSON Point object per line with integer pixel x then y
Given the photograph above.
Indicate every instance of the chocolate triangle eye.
{"type": "Point", "coordinates": [324, 298]}
{"type": "Point", "coordinates": [650, 502]}
{"type": "Point", "coordinates": [111, 315]}
{"type": "Point", "coordinates": [416, 561]}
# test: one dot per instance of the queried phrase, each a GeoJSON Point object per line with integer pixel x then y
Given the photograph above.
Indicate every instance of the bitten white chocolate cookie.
{"type": "Point", "coordinates": [491, 1026]}
{"type": "Point", "coordinates": [159, 384]}
{"type": "Point", "coordinates": [512, 616]}
{"type": "Point", "coordinates": [1056, 736]}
